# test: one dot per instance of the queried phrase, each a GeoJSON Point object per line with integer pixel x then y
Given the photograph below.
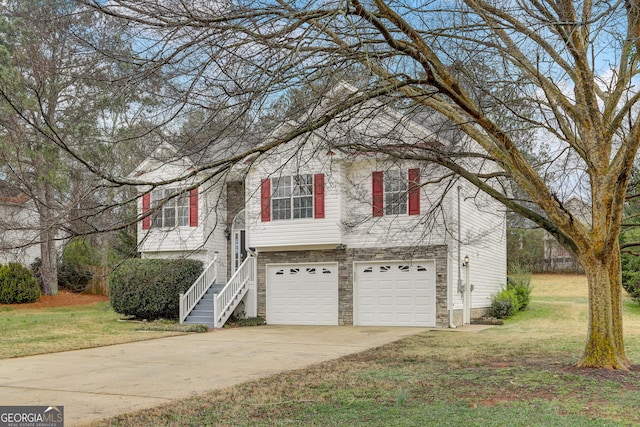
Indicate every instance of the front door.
{"type": "Point", "coordinates": [239, 241]}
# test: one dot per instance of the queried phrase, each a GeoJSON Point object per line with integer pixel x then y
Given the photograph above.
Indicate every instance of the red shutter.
{"type": "Point", "coordinates": [414, 191]}
{"type": "Point", "coordinates": [265, 200]}
{"type": "Point", "coordinates": [318, 195]}
{"type": "Point", "coordinates": [378, 193]}
{"type": "Point", "coordinates": [193, 207]}
{"type": "Point", "coordinates": [146, 207]}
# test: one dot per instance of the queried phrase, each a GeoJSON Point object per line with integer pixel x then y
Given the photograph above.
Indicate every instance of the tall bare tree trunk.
{"type": "Point", "coordinates": [49, 267]}
{"type": "Point", "coordinates": [604, 347]}
{"type": "Point", "coordinates": [48, 253]}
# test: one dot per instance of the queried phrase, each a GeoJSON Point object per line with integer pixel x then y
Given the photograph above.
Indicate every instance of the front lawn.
{"type": "Point", "coordinates": [29, 331]}
{"type": "Point", "coordinates": [518, 374]}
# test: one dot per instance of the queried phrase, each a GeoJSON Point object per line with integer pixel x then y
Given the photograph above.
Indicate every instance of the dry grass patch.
{"type": "Point", "coordinates": [559, 286]}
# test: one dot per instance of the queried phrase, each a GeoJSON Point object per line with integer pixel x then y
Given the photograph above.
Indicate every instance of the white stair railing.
{"type": "Point", "coordinates": [230, 296]}
{"type": "Point", "coordinates": [189, 299]}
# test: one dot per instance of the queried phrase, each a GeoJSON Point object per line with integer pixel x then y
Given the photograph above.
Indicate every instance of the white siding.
{"type": "Point", "coordinates": [213, 217]}
{"type": "Point", "coordinates": [294, 232]}
{"type": "Point", "coordinates": [16, 243]}
{"type": "Point", "coordinates": [199, 242]}
{"type": "Point", "coordinates": [483, 240]}
{"type": "Point", "coordinates": [363, 230]}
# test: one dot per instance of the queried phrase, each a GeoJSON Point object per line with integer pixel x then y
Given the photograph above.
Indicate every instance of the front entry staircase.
{"type": "Point", "coordinates": [209, 303]}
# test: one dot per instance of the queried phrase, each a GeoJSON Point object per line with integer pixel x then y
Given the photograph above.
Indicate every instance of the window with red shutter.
{"type": "Point", "coordinates": [292, 197]}
{"type": "Point", "coordinates": [396, 192]}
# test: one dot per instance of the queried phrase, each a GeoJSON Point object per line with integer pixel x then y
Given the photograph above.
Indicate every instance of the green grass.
{"type": "Point", "coordinates": [518, 374]}
{"type": "Point", "coordinates": [36, 331]}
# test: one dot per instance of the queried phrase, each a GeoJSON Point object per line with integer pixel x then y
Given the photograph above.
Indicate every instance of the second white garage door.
{"type": "Point", "coordinates": [302, 294]}
{"type": "Point", "coordinates": [395, 293]}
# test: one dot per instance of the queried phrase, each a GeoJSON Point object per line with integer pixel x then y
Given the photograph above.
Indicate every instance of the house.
{"type": "Point", "coordinates": [318, 234]}
{"type": "Point", "coordinates": [19, 240]}
{"type": "Point", "coordinates": [557, 258]}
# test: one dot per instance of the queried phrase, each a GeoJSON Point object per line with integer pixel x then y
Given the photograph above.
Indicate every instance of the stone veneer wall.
{"type": "Point", "coordinates": [235, 203]}
{"type": "Point", "coordinates": [302, 257]}
{"type": "Point", "coordinates": [345, 260]}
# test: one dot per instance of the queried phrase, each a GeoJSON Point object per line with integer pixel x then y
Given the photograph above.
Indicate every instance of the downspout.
{"type": "Point", "coordinates": [451, 322]}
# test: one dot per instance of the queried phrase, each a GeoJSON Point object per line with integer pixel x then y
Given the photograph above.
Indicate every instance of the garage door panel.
{"type": "Point", "coordinates": [395, 293]}
{"type": "Point", "coordinates": [302, 294]}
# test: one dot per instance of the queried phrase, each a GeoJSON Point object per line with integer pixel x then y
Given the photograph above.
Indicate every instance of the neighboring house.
{"type": "Point", "coordinates": [557, 258]}
{"type": "Point", "coordinates": [19, 239]}
{"type": "Point", "coordinates": [330, 237]}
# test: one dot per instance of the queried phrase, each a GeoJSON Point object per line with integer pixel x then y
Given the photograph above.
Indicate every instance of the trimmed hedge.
{"type": "Point", "coordinates": [18, 285]}
{"type": "Point", "coordinates": [150, 288]}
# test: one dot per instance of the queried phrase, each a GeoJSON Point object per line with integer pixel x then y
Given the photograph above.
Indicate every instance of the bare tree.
{"type": "Point", "coordinates": [55, 92]}
{"type": "Point", "coordinates": [497, 70]}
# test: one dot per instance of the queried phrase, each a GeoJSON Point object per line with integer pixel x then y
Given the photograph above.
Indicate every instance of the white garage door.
{"type": "Point", "coordinates": [395, 293]}
{"type": "Point", "coordinates": [302, 294]}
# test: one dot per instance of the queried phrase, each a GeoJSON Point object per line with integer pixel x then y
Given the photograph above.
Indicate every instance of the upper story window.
{"type": "Point", "coordinates": [396, 192]}
{"type": "Point", "coordinates": [292, 197]}
{"type": "Point", "coordinates": [170, 209]}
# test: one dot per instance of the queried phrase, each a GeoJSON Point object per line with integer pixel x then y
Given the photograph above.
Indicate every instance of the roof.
{"type": "Point", "coordinates": [369, 127]}
{"type": "Point", "coordinates": [358, 126]}
{"type": "Point", "coordinates": [11, 194]}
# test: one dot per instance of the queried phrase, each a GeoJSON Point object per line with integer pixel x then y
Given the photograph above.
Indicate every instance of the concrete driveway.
{"type": "Point", "coordinates": [102, 382]}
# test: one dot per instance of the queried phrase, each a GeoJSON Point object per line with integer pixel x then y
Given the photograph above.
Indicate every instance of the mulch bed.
{"type": "Point", "coordinates": [63, 299]}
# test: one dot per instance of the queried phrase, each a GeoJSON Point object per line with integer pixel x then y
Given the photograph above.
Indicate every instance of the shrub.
{"type": "Point", "coordinates": [74, 278]}
{"type": "Point", "coordinates": [150, 288]}
{"type": "Point", "coordinates": [520, 283]}
{"type": "Point", "coordinates": [18, 284]}
{"type": "Point", "coordinates": [35, 270]}
{"type": "Point", "coordinates": [504, 304]}
{"type": "Point", "coordinates": [631, 275]}
{"type": "Point", "coordinates": [73, 272]}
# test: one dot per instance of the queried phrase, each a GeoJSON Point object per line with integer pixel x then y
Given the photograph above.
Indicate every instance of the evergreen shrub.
{"type": "Point", "coordinates": [504, 304]}
{"type": "Point", "coordinates": [520, 282]}
{"type": "Point", "coordinates": [150, 288]}
{"type": "Point", "coordinates": [18, 285]}
{"type": "Point", "coordinates": [631, 276]}
{"type": "Point", "coordinates": [73, 272]}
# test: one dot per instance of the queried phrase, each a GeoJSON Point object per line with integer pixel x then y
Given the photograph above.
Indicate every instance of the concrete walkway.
{"type": "Point", "coordinates": [102, 382]}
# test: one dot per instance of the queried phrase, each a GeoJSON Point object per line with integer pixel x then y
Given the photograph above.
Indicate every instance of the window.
{"type": "Point", "coordinates": [396, 192]}
{"type": "Point", "coordinates": [292, 197]}
{"type": "Point", "coordinates": [164, 208]}
{"type": "Point", "coordinates": [170, 210]}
